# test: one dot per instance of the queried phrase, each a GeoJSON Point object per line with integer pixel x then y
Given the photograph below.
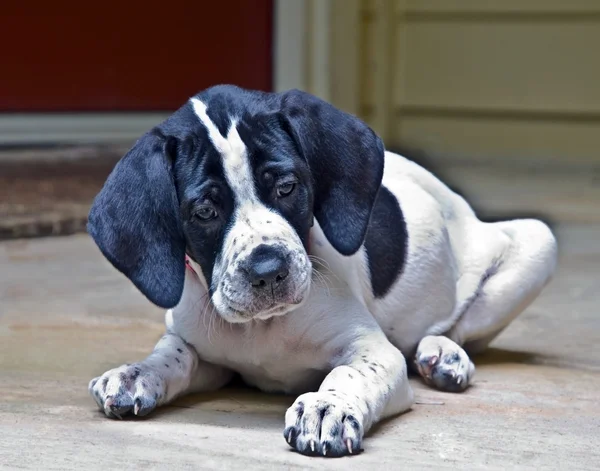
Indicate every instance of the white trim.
{"type": "Point", "coordinates": [319, 29]}
{"type": "Point", "coordinates": [302, 43]}
{"type": "Point", "coordinates": [290, 44]}
{"type": "Point", "coordinates": [25, 128]}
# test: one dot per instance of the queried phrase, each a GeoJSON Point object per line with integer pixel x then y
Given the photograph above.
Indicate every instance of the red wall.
{"type": "Point", "coordinates": [130, 56]}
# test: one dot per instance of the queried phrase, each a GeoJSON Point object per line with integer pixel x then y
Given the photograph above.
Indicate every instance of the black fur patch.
{"type": "Point", "coordinates": [386, 242]}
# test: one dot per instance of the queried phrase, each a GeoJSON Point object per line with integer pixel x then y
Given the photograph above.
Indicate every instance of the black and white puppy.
{"type": "Point", "coordinates": [314, 258]}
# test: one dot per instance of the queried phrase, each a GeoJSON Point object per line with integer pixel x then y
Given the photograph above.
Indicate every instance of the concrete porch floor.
{"type": "Point", "coordinates": [66, 316]}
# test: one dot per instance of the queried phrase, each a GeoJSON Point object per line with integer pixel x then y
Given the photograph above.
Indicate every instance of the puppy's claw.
{"type": "Point", "coordinates": [349, 445]}
{"type": "Point", "coordinates": [134, 389]}
{"type": "Point", "coordinates": [312, 445]}
{"type": "Point", "coordinates": [443, 364]}
{"type": "Point", "coordinates": [289, 437]}
{"type": "Point", "coordinates": [325, 450]}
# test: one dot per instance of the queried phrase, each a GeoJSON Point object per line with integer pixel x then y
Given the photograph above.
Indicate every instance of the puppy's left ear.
{"type": "Point", "coordinates": [135, 220]}
{"type": "Point", "coordinates": [346, 160]}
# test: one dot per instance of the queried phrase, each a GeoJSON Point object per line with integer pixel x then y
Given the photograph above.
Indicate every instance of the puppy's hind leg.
{"type": "Point", "coordinates": [525, 267]}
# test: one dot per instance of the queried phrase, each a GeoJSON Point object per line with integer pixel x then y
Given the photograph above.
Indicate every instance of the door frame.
{"type": "Point", "coordinates": [302, 41]}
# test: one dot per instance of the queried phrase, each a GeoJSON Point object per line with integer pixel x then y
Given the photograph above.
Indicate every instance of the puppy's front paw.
{"type": "Point", "coordinates": [443, 364]}
{"type": "Point", "coordinates": [324, 424]}
{"type": "Point", "coordinates": [130, 388]}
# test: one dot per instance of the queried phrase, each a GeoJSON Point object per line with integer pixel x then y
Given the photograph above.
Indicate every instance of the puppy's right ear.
{"type": "Point", "coordinates": [135, 220]}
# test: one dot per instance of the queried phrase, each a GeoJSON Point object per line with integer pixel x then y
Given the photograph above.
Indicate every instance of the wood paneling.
{"type": "Point", "coordinates": [509, 139]}
{"type": "Point", "coordinates": [514, 65]}
{"type": "Point", "coordinates": [502, 6]}
{"type": "Point", "coordinates": [516, 80]}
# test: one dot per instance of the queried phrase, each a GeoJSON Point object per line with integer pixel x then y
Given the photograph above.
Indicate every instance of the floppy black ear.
{"type": "Point", "coordinates": [135, 221]}
{"type": "Point", "coordinates": [346, 160]}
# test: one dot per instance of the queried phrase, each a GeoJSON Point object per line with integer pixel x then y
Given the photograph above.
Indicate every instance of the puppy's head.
{"type": "Point", "coordinates": [234, 179]}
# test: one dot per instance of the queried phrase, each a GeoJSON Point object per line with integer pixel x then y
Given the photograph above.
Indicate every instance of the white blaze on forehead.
{"type": "Point", "coordinates": [214, 134]}
{"type": "Point", "coordinates": [233, 150]}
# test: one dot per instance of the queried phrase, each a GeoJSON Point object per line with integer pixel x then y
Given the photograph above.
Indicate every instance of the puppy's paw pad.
{"type": "Point", "coordinates": [324, 424]}
{"type": "Point", "coordinates": [443, 364]}
{"type": "Point", "coordinates": [130, 389]}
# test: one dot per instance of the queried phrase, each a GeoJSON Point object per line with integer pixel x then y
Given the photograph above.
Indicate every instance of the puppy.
{"type": "Point", "coordinates": [289, 247]}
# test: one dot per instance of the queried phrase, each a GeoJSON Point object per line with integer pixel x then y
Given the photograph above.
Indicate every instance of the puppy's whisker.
{"type": "Point", "coordinates": [208, 314]}
{"type": "Point", "coordinates": [317, 258]}
{"type": "Point", "coordinates": [322, 280]}
{"type": "Point", "coordinates": [211, 323]}
{"type": "Point", "coordinates": [196, 313]}
{"type": "Point", "coordinates": [321, 276]}
{"type": "Point", "coordinates": [319, 281]}
{"type": "Point", "coordinates": [207, 301]}
{"type": "Point", "coordinates": [319, 261]}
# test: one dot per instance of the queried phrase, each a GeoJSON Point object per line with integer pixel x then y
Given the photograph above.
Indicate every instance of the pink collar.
{"type": "Point", "coordinates": [189, 265]}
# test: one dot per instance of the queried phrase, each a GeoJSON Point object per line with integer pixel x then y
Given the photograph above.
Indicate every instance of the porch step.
{"type": "Point", "coordinates": [48, 191]}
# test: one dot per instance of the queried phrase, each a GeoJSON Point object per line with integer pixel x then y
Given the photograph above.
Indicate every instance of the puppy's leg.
{"type": "Point", "coordinates": [173, 368]}
{"type": "Point", "coordinates": [443, 364]}
{"type": "Point", "coordinates": [368, 382]}
{"type": "Point", "coordinates": [524, 268]}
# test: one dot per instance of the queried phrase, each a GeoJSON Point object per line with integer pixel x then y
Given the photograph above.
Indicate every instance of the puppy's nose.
{"type": "Point", "coordinates": [267, 266]}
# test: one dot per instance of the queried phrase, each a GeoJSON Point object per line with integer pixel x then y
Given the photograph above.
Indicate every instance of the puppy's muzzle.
{"type": "Point", "coordinates": [266, 269]}
{"type": "Point", "coordinates": [270, 281]}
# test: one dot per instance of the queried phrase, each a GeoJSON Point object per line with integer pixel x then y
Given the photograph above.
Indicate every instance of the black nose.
{"type": "Point", "coordinates": [266, 266]}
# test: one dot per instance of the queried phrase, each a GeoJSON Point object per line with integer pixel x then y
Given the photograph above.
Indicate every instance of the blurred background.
{"type": "Point", "coordinates": [499, 98]}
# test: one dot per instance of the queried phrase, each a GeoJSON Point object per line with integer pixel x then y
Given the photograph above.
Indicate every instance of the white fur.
{"type": "Point", "coordinates": [342, 343]}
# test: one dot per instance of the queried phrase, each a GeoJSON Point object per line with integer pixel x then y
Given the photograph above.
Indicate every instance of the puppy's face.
{"type": "Point", "coordinates": [234, 179]}
{"type": "Point", "coordinates": [246, 201]}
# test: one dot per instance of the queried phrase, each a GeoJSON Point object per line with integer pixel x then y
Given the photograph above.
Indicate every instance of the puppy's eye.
{"type": "Point", "coordinates": [285, 189]}
{"type": "Point", "coordinates": [205, 213]}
